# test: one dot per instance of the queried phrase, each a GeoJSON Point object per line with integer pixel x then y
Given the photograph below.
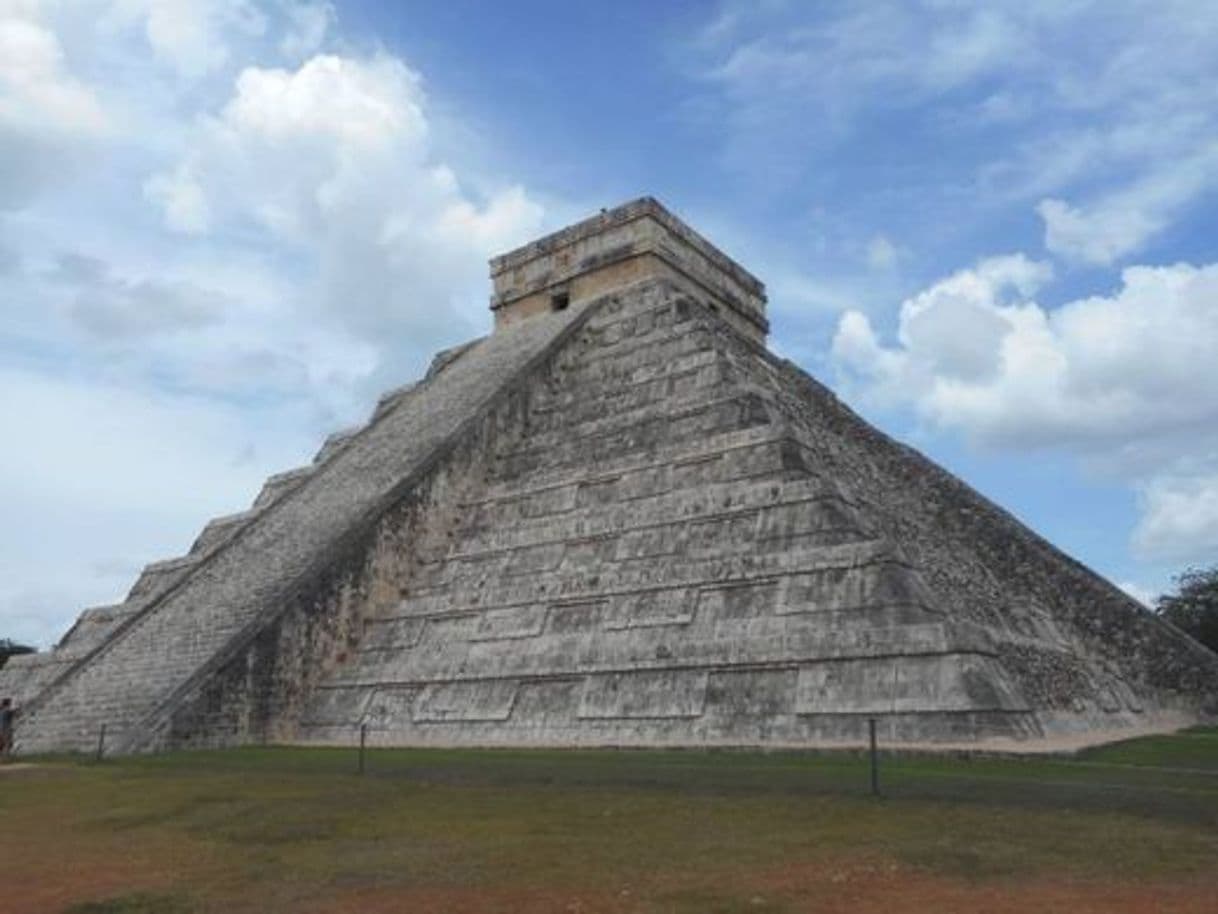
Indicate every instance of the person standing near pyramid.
{"type": "Point", "coordinates": [8, 716]}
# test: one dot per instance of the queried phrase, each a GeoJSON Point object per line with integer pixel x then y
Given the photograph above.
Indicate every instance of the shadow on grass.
{"type": "Point", "coordinates": [135, 903]}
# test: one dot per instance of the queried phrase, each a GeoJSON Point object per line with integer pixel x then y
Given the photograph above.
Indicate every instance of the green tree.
{"type": "Point", "coordinates": [10, 648]}
{"type": "Point", "coordinates": [1194, 607]}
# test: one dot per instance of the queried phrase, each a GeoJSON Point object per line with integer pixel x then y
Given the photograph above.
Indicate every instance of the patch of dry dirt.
{"type": "Point", "coordinates": [54, 886]}
{"type": "Point", "coordinates": [843, 888]}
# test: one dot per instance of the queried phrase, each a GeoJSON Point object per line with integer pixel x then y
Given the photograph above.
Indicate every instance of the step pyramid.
{"type": "Point", "coordinates": [617, 520]}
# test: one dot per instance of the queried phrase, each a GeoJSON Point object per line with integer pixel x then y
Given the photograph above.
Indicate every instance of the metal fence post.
{"type": "Point", "coordinates": [363, 741]}
{"type": "Point", "coordinates": [875, 759]}
{"type": "Point", "coordinates": [101, 743]}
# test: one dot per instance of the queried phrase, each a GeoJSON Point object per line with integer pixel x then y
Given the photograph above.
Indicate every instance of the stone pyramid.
{"type": "Point", "coordinates": [616, 520]}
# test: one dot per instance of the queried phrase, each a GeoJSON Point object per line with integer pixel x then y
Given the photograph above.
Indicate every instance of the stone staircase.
{"type": "Point", "coordinates": [120, 666]}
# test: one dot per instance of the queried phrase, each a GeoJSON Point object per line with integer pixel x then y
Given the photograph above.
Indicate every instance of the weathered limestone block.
{"type": "Point", "coordinates": [637, 241]}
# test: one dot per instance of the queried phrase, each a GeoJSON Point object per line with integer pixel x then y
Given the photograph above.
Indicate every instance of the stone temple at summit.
{"type": "Point", "coordinates": [616, 520]}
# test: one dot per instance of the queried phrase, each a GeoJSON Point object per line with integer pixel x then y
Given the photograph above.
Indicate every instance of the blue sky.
{"type": "Point", "coordinates": [226, 225]}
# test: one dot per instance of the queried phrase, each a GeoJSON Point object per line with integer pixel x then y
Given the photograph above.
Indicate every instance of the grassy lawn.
{"type": "Point", "coordinates": [1130, 827]}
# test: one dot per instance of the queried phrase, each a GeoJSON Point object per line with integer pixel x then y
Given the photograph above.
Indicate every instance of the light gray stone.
{"type": "Point", "coordinates": [619, 523]}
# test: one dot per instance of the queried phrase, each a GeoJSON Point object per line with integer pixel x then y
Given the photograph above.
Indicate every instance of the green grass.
{"type": "Point", "coordinates": [137, 903]}
{"type": "Point", "coordinates": [283, 829]}
{"type": "Point", "coordinates": [1197, 749]}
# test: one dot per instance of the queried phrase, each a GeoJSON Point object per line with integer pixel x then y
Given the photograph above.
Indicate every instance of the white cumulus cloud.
{"type": "Point", "coordinates": [1179, 518]}
{"type": "Point", "coordinates": [335, 159]}
{"type": "Point", "coordinates": [48, 115]}
{"type": "Point", "coordinates": [977, 353]}
{"type": "Point", "coordinates": [191, 37]}
{"type": "Point", "coordinates": [1125, 380]}
{"type": "Point", "coordinates": [1120, 223]}
{"type": "Point", "coordinates": [37, 91]}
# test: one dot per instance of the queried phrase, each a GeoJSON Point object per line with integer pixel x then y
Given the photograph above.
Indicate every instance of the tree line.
{"type": "Point", "coordinates": [1193, 607]}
